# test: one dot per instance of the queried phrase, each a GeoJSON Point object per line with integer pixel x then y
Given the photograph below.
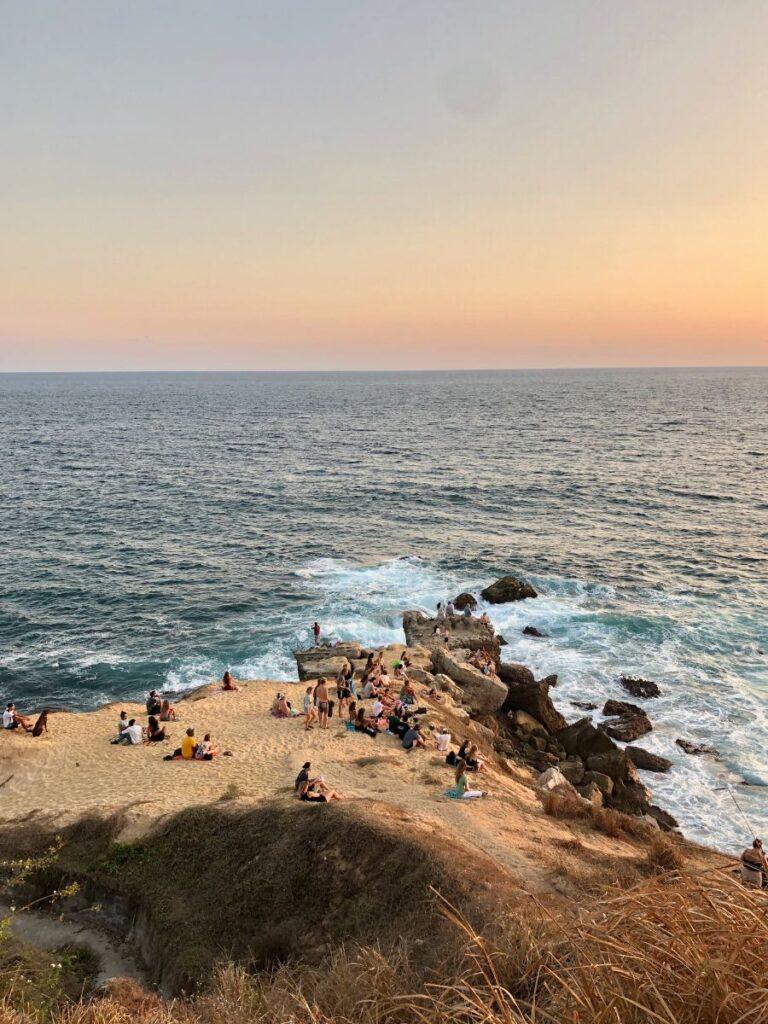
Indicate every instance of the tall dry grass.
{"type": "Point", "coordinates": [673, 950]}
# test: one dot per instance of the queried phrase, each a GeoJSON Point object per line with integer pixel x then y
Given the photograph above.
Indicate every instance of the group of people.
{"type": "Point", "coordinates": [12, 719]}
{"type": "Point", "coordinates": [131, 732]}
{"type": "Point", "coordinates": [481, 660]}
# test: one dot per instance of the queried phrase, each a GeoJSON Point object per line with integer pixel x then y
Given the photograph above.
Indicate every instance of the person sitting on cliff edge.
{"type": "Point", "coordinates": [13, 720]}
{"type": "Point", "coordinates": [154, 703]}
{"type": "Point", "coordinates": [228, 684]}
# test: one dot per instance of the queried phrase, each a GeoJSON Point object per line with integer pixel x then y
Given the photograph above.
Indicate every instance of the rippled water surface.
{"type": "Point", "coordinates": [157, 528]}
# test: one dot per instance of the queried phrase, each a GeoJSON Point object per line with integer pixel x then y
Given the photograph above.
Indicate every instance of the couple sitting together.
{"type": "Point", "coordinates": [192, 750]}
{"type": "Point", "coordinates": [313, 791]}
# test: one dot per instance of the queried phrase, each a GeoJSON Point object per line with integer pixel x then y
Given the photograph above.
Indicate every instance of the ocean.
{"type": "Point", "coordinates": [159, 528]}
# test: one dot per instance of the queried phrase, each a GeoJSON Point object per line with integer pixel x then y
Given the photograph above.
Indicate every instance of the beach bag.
{"type": "Point", "coordinates": [331, 706]}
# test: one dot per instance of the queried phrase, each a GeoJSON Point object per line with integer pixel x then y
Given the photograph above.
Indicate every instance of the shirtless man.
{"type": "Point", "coordinates": [323, 698]}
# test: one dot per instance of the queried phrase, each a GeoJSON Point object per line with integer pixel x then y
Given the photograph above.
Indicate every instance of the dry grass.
{"type": "Point", "coordinates": [664, 855]}
{"type": "Point", "coordinates": [673, 950]}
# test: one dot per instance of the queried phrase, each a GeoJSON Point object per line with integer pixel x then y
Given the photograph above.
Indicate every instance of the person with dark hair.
{"type": "Point", "coordinates": [363, 724]}
{"type": "Point", "coordinates": [205, 751]}
{"type": "Point", "coordinates": [41, 725]}
{"type": "Point", "coordinates": [188, 746]}
{"type": "Point", "coordinates": [414, 737]}
{"type": "Point", "coordinates": [154, 703]}
{"type": "Point", "coordinates": [228, 684]}
{"type": "Point", "coordinates": [302, 777]}
{"type": "Point", "coordinates": [316, 633]}
{"type": "Point", "coordinates": [316, 791]}
{"type": "Point", "coordinates": [133, 733]}
{"type": "Point", "coordinates": [13, 720]}
{"type": "Point", "coordinates": [155, 731]}
{"type": "Point", "coordinates": [754, 865]}
{"type": "Point", "coordinates": [323, 702]}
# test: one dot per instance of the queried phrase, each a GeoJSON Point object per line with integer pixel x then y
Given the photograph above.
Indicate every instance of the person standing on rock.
{"type": "Point", "coordinates": [450, 612]}
{"type": "Point", "coordinates": [440, 611]}
{"type": "Point", "coordinates": [316, 631]}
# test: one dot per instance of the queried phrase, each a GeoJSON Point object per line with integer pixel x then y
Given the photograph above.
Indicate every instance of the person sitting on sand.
{"type": "Point", "coordinates": [302, 777]}
{"type": "Point", "coordinates": [280, 707]}
{"type": "Point", "coordinates": [41, 725]}
{"type": "Point", "coordinates": [405, 659]}
{"type": "Point", "coordinates": [167, 712]}
{"type": "Point", "coordinates": [133, 733]}
{"type": "Point", "coordinates": [188, 746]}
{"type": "Point", "coordinates": [122, 725]}
{"type": "Point", "coordinates": [13, 720]}
{"type": "Point", "coordinates": [228, 684]}
{"type": "Point", "coordinates": [469, 755]}
{"type": "Point", "coordinates": [754, 865]}
{"type": "Point", "coordinates": [442, 739]}
{"type": "Point", "coordinates": [205, 751]}
{"type": "Point", "coordinates": [155, 731]}
{"type": "Point", "coordinates": [408, 692]}
{"type": "Point", "coordinates": [397, 723]}
{"type": "Point", "coordinates": [399, 675]}
{"type": "Point", "coordinates": [323, 702]}
{"type": "Point", "coordinates": [461, 790]}
{"type": "Point", "coordinates": [363, 724]}
{"type": "Point", "coordinates": [154, 703]}
{"type": "Point", "coordinates": [414, 737]}
{"type": "Point", "coordinates": [315, 791]}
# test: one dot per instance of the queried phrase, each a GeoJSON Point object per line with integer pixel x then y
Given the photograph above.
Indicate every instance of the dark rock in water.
{"type": "Point", "coordinates": [630, 798]}
{"type": "Point", "coordinates": [550, 680]}
{"type": "Point", "coordinates": [532, 631]}
{"type": "Point", "coordinates": [584, 740]}
{"type": "Point", "coordinates": [647, 761]}
{"type": "Point", "coordinates": [513, 673]}
{"type": "Point", "coordinates": [644, 688]}
{"type": "Point", "coordinates": [630, 723]}
{"type": "Point", "coordinates": [463, 601]}
{"type": "Point", "coordinates": [502, 641]}
{"type": "Point", "coordinates": [613, 763]}
{"type": "Point", "coordinates": [533, 697]}
{"type": "Point", "coordinates": [508, 588]}
{"type": "Point", "coordinates": [585, 705]}
{"type": "Point", "coordinates": [666, 821]}
{"type": "Point", "coordinates": [697, 748]}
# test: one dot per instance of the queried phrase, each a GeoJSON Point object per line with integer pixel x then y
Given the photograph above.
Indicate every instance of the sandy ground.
{"type": "Point", "coordinates": [74, 770]}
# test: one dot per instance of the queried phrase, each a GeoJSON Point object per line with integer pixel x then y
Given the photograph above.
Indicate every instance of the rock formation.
{"type": "Point", "coordinates": [643, 688]}
{"type": "Point", "coordinates": [647, 761]}
{"type": "Point", "coordinates": [465, 600]}
{"type": "Point", "coordinates": [628, 721]}
{"type": "Point", "coordinates": [483, 694]}
{"type": "Point", "coordinates": [508, 588]}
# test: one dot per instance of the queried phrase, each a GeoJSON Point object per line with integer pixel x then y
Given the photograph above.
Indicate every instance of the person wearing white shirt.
{"type": "Point", "coordinates": [442, 740]}
{"type": "Point", "coordinates": [133, 733]}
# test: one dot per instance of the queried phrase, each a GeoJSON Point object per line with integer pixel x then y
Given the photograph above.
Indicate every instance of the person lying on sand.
{"type": "Point", "coordinates": [205, 751]}
{"type": "Point", "coordinates": [41, 725]}
{"type": "Point", "coordinates": [461, 790]}
{"type": "Point", "coordinates": [13, 720]}
{"type": "Point", "coordinates": [228, 684]}
{"type": "Point", "coordinates": [167, 712]}
{"type": "Point", "coordinates": [315, 791]}
{"type": "Point", "coordinates": [155, 731]}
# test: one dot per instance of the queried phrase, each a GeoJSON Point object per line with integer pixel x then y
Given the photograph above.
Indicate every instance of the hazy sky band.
{"type": "Point", "coordinates": [367, 184]}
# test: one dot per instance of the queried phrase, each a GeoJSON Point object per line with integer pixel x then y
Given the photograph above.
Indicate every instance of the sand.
{"type": "Point", "coordinates": [74, 770]}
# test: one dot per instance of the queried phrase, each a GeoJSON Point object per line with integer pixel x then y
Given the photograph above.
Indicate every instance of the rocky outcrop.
{"type": "Point", "coordinates": [458, 633]}
{"type": "Point", "coordinates": [533, 631]}
{"type": "Point", "coordinates": [643, 688]}
{"type": "Point", "coordinates": [573, 770]}
{"type": "Point", "coordinates": [465, 600]}
{"type": "Point", "coordinates": [508, 588]}
{"type": "Point", "coordinates": [483, 694]}
{"type": "Point", "coordinates": [629, 721]}
{"type": "Point", "coordinates": [665, 820]}
{"type": "Point", "coordinates": [527, 722]}
{"type": "Point", "coordinates": [584, 705]}
{"type": "Point", "coordinates": [323, 661]}
{"type": "Point", "coordinates": [583, 740]}
{"type": "Point", "coordinates": [533, 697]}
{"type": "Point", "coordinates": [647, 761]}
{"type": "Point", "coordinates": [515, 674]}
{"type": "Point", "coordinates": [630, 798]}
{"type": "Point", "coordinates": [613, 763]}
{"type": "Point", "coordinates": [697, 748]}
{"type": "Point", "coordinates": [603, 782]}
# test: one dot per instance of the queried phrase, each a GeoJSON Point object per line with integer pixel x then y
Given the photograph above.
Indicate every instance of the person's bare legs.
{"type": "Point", "coordinates": [323, 719]}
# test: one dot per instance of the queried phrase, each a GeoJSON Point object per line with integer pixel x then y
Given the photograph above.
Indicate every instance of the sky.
{"type": "Point", "coordinates": [377, 184]}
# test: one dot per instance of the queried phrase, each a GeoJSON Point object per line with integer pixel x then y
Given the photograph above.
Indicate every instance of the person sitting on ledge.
{"type": "Point", "coordinates": [461, 790]}
{"type": "Point", "coordinates": [228, 684]}
{"type": "Point", "coordinates": [408, 692]}
{"type": "Point", "coordinates": [13, 720]}
{"type": "Point", "coordinates": [167, 712]}
{"type": "Point", "coordinates": [155, 731]}
{"type": "Point", "coordinates": [205, 751]}
{"type": "Point", "coordinates": [154, 703]}
{"type": "Point", "coordinates": [485, 620]}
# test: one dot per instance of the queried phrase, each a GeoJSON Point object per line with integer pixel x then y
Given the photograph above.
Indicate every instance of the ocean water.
{"type": "Point", "coordinates": [158, 528]}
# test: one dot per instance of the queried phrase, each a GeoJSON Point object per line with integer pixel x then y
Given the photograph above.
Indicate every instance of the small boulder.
{"type": "Point", "coordinates": [445, 684]}
{"type": "Point", "coordinates": [583, 739]}
{"type": "Point", "coordinates": [508, 588]}
{"type": "Point", "coordinates": [533, 631]}
{"type": "Point", "coordinates": [420, 675]}
{"type": "Point", "coordinates": [527, 722]}
{"type": "Point", "coordinates": [697, 748]}
{"type": "Point", "coordinates": [644, 688]}
{"type": "Point", "coordinates": [534, 698]}
{"type": "Point", "coordinates": [513, 673]}
{"type": "Point", "coordinates": [651, 822]}
{"type": "Point", "coordinates": [584, 705]}
{"type": "Point", "coordinates": [603, 782]}
{"type": "Point", "coordinates": [552, 779]}
{"type": "Point", "coordinates": [591, 793]}
{"type": "Point", "coordinates": [613, 763]}
{"type": "Point", "coordinates": [573, 770]}
{"type": "Point", "coordinates": [465, 600]}
{"type": "Point", "coordinates": [665, 820]}
{"type": "Point", "coordinates": [630, 798]}
{"type": "Point", "coordinates": [630, 721]}
{"type": "Point", "coordinates": [647, 761]}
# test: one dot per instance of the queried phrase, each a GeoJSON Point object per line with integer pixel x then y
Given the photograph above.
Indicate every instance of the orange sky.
{"type": "Point", "coordinates": [314, 186]}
